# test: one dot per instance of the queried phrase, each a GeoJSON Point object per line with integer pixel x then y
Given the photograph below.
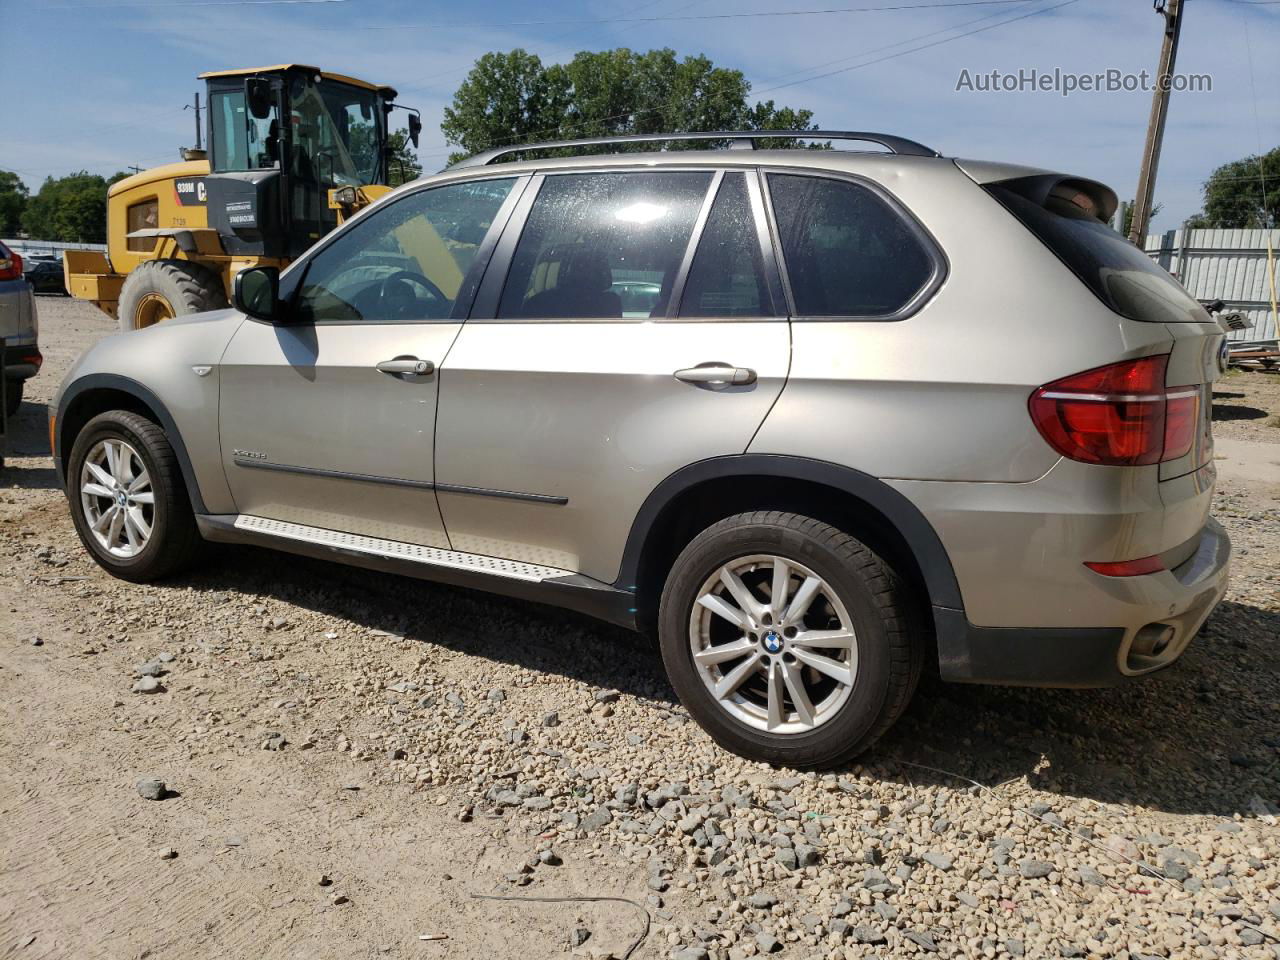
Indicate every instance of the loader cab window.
{"type": "Point", "coordinates": [336, 131]}
{"type": "Point", "coordinates": [242, 141]}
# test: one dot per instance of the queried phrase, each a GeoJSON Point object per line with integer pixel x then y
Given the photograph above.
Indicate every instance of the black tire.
{"type": "Point", "coordinates": [174, 540]}
{"type": "Point", "coordinates": [183, 286]}
{"type": "Point", "coordinates": [890, 638]}
{"type": "Point", "coordinates": [12, 397]}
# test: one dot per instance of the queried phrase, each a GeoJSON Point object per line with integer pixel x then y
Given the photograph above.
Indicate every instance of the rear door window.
{"type": "Point", "coordinates": [1118, 273]}
{"type": "Point", "coordinates": [848, 253]}
{"type": "Point", "coordinates": [603, 245]}
{"type": "Point", "coordinates": [727, 277]}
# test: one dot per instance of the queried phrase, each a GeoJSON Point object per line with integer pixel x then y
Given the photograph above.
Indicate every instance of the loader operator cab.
{"type": "Point", "coordinates": [281, 138]}
{"type": "Point", "coordinates": [293, 152]}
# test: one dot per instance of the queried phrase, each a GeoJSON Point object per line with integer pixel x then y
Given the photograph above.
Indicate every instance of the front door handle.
{"type": "Point", "coordinates": [410, 366]}
{"type": "Point", "coordinates": [717, 374]}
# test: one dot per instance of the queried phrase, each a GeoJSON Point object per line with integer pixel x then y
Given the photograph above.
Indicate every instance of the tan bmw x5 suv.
{"type": "Point", "coordinates": [811, 416]}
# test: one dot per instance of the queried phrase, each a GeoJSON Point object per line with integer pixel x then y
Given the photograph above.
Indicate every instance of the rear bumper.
{"type": "Point", "coordinates": [1180, 600]}
{"type": "Point", "coordinates": [21, 358]}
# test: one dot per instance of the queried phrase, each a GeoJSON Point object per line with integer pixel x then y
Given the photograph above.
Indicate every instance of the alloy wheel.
{"type": "Point", "coordinates": [117, 498]}
{"type": "Point", "coordinates": [773, 644]}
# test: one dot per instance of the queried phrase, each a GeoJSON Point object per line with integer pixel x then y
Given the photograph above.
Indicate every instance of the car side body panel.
{"type": "Point", "coordinates": [942, 394]}
{"type": "Point", "coordinates": [172, 368]}
{"type": "Point", "coordinates": [588, 412]}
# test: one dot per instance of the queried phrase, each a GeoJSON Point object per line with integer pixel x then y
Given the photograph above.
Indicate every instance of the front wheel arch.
{"type": "Point", "coordinates": [97, 393]}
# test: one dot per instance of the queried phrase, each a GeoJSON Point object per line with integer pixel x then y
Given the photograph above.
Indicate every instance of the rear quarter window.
{"type": "Point", "coordinates": [1119, 274]}
{"type": "Point", "coordinates": [848, 253]}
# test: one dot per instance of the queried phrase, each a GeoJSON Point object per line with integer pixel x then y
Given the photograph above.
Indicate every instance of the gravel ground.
{"type": "Point", "coordinates": [350, 757]}
{"type": "Point", "coordinates": [1246, 406]}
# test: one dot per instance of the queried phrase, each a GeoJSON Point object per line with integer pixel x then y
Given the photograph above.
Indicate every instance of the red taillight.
{"type": "Point", "coordinates": [1181, 421]}
{"type": "Point", "coordinates": [10, 265]}
{"type": "Point", "coordinates": [1128, 568]}
{"type": "Point", "coordinates": [1120, 415]}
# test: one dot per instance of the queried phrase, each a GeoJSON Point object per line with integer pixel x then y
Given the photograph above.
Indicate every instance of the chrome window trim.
{"type": "Point", "coordinates": [691, 248]}
{"type": "Point", "coordinates": [485, 307]}
{"type": "Point", "coordinates": [768, 263]}
{"type": "Point", "coordinates": [941, 265]}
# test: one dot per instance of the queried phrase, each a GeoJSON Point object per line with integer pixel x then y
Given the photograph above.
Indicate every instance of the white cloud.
{"type": "Point", "coordinates": [130, 111]}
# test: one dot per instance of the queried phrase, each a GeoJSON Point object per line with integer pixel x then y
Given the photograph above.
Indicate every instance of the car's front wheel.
{"type": "Point", "coordinates": [788, 640]}
{"type": "Point", "coordinates": [128, 499]}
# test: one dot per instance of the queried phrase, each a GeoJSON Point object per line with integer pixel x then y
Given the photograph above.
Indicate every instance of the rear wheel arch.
{"type": "Point", "coordinates": [696, 496]}
{"type": "Point", "coordinates": [97, 393]}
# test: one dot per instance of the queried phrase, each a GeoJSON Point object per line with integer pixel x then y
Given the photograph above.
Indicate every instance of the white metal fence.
{"type": "Point", "coordinates": [29, 248]}
{"type": "Point", "coordinates": [1226, 265]}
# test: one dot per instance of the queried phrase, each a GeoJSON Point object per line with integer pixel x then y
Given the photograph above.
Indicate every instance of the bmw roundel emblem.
{"type": "Point", "coordinates": [772, 642]}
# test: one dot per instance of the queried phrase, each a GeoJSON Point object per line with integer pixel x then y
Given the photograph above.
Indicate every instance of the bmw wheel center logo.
{"type": "Point", "coordinates": [772, 642]}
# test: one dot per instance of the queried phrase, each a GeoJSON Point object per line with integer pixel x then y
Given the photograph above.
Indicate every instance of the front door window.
{"type": "Point", "coordinates": [408, 261]}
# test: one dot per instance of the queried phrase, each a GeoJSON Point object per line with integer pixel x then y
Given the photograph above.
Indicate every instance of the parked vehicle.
{"type": "Point", "coordinates": [884, 407]}
{"type": "Point", "coordinates": [44, 274]}
{"type": "Point", "coordinates": [18, 328]}
{"type": "Point", "coordinates": [294, 151]}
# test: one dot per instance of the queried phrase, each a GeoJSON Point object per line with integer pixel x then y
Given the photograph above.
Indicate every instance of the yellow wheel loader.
{"type": "Point", "coordinates": [293, 151]}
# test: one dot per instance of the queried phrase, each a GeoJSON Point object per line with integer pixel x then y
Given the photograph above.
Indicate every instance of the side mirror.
{"type": "Point", "coordinates": [257, 95]}
{"type": "Point", "coordinates": [256, 292]}
{"type": "Point", "coordinates": [415, 128]}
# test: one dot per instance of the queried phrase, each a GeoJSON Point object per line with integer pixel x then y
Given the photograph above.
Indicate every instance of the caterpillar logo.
{"type": "Point", "coordinates": [191, 191]}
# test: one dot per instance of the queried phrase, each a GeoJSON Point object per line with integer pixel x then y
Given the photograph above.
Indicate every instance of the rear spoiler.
{"type": "Point", "coordinates": [1040, 186]}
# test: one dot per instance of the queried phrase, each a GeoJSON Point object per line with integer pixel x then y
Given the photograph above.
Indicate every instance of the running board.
{"type": "Point", "coordinates": [511, 578]}
{"type": "Point", "coordinates": [398, 550]}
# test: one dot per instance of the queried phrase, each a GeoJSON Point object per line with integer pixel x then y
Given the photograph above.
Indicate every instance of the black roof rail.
{"type": "Point", "coordinates": [743, 140]}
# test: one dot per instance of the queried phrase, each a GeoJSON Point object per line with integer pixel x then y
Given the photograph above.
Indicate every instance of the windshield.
{"type": "Point", "coordinates": [337, 127]}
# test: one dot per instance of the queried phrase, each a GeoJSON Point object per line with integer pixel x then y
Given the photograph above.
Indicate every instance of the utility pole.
{"type": "Point", "coordinates": [1171, 10]}
{"type": "Point", "coordinates": [135, 168]}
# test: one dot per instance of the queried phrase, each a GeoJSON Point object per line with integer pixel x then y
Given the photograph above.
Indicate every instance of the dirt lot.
{"type": "Point", "coordinates": [439, 744]}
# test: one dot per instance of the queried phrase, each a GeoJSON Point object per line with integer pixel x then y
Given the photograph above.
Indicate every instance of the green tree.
{"type": "Point", "coordinates": [1128, 216]}
{"type": "Point", "coordinates": [403, 164]}
{"type": "Point", "coordinates": [71, 209]}
{"type": "Point", "coordinates": [13, 200]}
{"type": "Point", "coordinates": [1234, 194]}
{"type": "Point", "coordinates": [512, 97]}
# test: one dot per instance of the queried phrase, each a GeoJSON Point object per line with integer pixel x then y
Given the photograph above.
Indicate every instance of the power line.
{"type": "Point", "coordinates": [882, 8]}
{"type": "Point", "coordinates": [454, 71]}
{"type": "Point", "coordinates": [889, 46]}
{"type": "Point", "coordinates": [925, 46]}
{"type": "Point", "coordinates": [190, 3]}
{"type": "Point", "coordinates": [764, 133]}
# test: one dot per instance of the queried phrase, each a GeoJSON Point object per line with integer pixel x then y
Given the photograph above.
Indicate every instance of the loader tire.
{"type": "Point", "coordinates": [159, 289]}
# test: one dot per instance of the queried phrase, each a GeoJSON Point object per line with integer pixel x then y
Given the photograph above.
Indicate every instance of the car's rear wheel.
{"type": "Point", "coordinates": [128, 499]}
{"type": "Point", "coordinates": [788, 640]}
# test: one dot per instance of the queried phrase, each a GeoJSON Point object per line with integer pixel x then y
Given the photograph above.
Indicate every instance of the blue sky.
{"type": "Point", "coordinates": [100, 84]}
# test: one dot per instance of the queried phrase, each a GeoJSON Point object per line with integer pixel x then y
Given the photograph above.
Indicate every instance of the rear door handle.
{"type": "Point", "coordinates": [410, 366]}
{"type": "Point", "coordinates": [717, 373]}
